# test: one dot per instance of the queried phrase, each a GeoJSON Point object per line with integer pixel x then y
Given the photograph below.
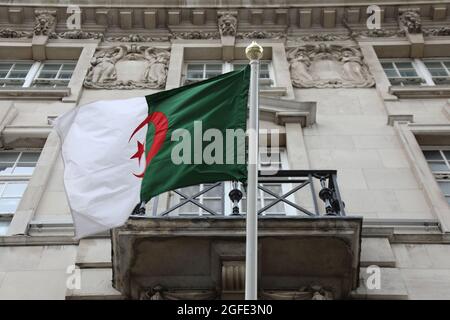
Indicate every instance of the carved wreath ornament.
{"type": "Point", "coordinates": [328, 66]}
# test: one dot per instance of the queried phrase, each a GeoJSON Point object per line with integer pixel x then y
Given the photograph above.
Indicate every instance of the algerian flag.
{"type": "Point", "coordinates": [118, 153]}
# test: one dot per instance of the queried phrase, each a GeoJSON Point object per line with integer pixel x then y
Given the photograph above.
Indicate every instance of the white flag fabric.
{"type": "Point", "coordinates": [98, 174]}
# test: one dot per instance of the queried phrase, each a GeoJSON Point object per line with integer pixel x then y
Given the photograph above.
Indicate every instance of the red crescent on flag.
{"type": "Point", "coordinates": [161, 124]}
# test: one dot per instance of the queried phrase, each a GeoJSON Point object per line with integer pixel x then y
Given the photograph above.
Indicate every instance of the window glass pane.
{"type": "Point", "coordinates": [445, 187]}
{"type": "Point", "coordinates": [47, 75]}
{"type": "Point", "coordinates": [5, 66]}
{"type": "Point", "coordinates": [17, 74]}
{"type": "Point", "coordinates": [438, 72]}
{"type": "Point", "coordinates": [430, 64]}
{"type": "Point", "coordinates": [29, 156]}
{"type": "Point", "coordinates": [277, 208]}
{"type": "Point", "coordinates": [8, 205]}
{"type": "Point", "coordinates": [190, 191]}
{"type": "Point", "coordinates": [432, 155]}
{"type": "Point", "coordinates": [214, 192]}
{"type": "Point", "coordinates": [22, 66]}
{"type": "Point", "coordinates": [4, 227]}
{"type": "Point", "coordinates": [275, 188]}
{"type": "Point", "coordinates": [238, 66]}
{"type": "Point", "coordinates": [68, 67]}
{"type": "Point", "coordinates": [214, 67]}
{"type": "Point", "coordinates": [51, 67]}
{"type": "Point", "coordinates": [438, 166]}
{"type": "Point", "coordinates": [24, 169]}
{"type": "Point", "coordinates": [408, 73]}
{"type": "Point", "coordinates": [447, 154]}
{"type": "Point", "coordinates": [6, 168]}
{"type": "Point", "coordinates": [447, 64]}
{"type": "Point", "coordinates": [387, 65]}
{"type": "Point", "coordinates": [214, 205]}
{"type": "Point", "coordinates": [9, 156]}
{"type": "Point", "coordinates": [189, 208]}
{"type": "Point", "coordinates": [391, 73]}
{"type": "Point", "coordinates": [14, 189]}
{"type": "Point", "coordinates": [195, 67]}
{"type": "Point", "coordinates": [65, 75]}
{"type": "Point", "coordinates": [404, 65]}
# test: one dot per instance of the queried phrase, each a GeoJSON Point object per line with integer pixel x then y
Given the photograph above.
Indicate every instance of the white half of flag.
{"type": "Point", "coordinates": [98, 174]}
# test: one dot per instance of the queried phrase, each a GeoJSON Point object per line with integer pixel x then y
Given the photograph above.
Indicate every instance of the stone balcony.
{"type": "Point", "coordinates": [309, 255]}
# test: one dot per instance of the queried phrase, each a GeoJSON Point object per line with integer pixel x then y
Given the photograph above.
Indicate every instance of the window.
{"type": "Point", "coordinates": [54, 75]}
{"type": "Point", "coordinates": [16, 168]}
{"type": "Point", "coordinates": [439, 71]}
{"type": "Point", "coordinates": [216, 197]}
{"type": "Point", "coordinates": [13, 73]}
{"type": "Point", "coordinates": [439, 162]}
{"type": "Point", "coordinates": [428, 72]}
{"type": "Point", "coordinates": [197, 71]}
{"type": "Point", "coordinates": [402, 73]}
{"type": "Point", "coordinates": [25, 74]}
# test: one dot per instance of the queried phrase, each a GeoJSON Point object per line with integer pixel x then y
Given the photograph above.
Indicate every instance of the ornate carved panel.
{"type": "Point", "coordinates": [128, 67]}
{"type": "Point", "coordinates": [11, 33]}
{"type": "Point", "coordinates": [328, 66]}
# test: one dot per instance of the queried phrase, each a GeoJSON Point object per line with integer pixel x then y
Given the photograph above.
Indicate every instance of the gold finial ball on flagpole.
{"type": "Point", "coordinates": [254, 51]}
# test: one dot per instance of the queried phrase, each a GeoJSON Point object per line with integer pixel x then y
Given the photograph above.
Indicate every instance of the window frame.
{"type": "Point", "coordinates": [439, 175]}
{"type": "Point", "coordinates": [33, 72]}
{"type": "Point", "coordinates": [227, 67]}
{"type": "Point", "coordinates": [420, 68]}
{"type": "Point", "coordinates": [11, 178]}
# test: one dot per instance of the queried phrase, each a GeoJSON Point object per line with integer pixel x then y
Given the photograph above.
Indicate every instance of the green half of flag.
{"type": "Point", "coordinates": [195, 134]}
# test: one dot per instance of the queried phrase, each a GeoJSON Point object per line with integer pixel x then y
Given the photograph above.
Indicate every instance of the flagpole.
{"type": "Point", "coordinates": [254, 53]}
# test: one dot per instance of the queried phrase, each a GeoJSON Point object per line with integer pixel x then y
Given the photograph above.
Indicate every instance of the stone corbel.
{"type": "Point", "coordinates": [45, 22]}
{"type": "Point", "coordinates": [409, 20]}
{"type": "Point", "coordinates": [227, 23]}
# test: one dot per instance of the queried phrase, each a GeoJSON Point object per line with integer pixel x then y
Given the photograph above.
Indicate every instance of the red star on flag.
{"type": "Point", "coordinates": [139, 152]}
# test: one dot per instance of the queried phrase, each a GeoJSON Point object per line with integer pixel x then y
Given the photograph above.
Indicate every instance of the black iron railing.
{"type": "Point", "coordinates": [303, 192]}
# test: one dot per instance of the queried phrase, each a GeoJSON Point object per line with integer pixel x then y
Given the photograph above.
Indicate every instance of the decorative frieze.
{"type": "Point", "coordinates": [137, 38]}
{"type": "Point", "coordinates": [45, 21]}
{"type": "Point", "coordinates": [11, 33]}
{"type": "Point", "coordinates": [128, 67]}
{"type": "Point", "coordinates": [378, 33]}
{"type": "Point", "coordinates": [328, 66]}
{"type": "Point", "coordinates": [438, 31]}
{"type": "Point", "coordinates": [260, 35]}
{"type": "Point", "coordinates": [195, 35]}
{"type": "Point", "coordinates": [76, 34]}
{"type": "Point", "coordinates": [321, 37]}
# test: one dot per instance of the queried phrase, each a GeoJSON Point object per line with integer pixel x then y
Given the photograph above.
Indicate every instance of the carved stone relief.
{"type": "Point", "coordinates": [44, 22]}
{"type": "Point", "coordinates": [227, 24]}
{"type": "Point", "coordinates": [196, 35]}
{"type": "Point", "coordinates": [76, 34]}
{"type": "Point", "coordinates": [322, 37]}
{"type": "Point", "coordinates": [305, 293]}
{"type": "Point", "coordinates": [438, 31]}
{"type": "Point", "coordinates": [328, 66]}
{"type": "Point", "coordinates": [160, 293]}
{"type": "Point", "coordinates": [128, 67]}
{"type": "Point", "coordinates": [11, 33]}
{"type": "Point", "coordinates": [137, 38]}
{"type": "Point", "coordinates": [260, 35]}
{"type": "Point", "coordinates": [378, 33]}
{"type": "Point", "coordinates": [410, 21]}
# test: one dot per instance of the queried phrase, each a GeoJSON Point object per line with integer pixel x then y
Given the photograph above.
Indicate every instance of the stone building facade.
{"type": "Point", "coordinates": [372, 104]}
